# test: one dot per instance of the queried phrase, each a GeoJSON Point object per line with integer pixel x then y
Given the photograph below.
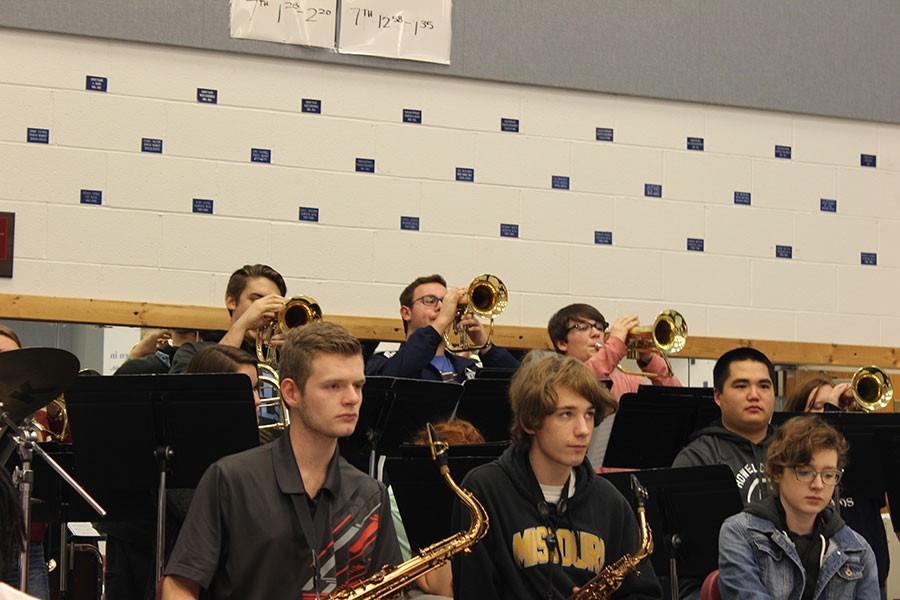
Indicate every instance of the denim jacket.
{"type": "Point", "coordinates": [758, 561]}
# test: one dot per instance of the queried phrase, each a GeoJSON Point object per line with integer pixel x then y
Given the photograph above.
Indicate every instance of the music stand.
{"type": "Point", "coordinates": [485, 403]}
{"type": "Point", "coordinates": [685, 509]}
{"type": "Point", "coordinates": [425, 501]}
{"type": "Point", "coordinates": [653, 425]}
{"type": "Point", "coordinates": [138, 433]}
{"type": "Point", "coordinates": [397, 411]}
{"type": "Point", "coordinates": [873, 465]}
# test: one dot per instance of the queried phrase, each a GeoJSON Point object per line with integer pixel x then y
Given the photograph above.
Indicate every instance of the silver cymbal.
{"type": "Point", "coordinates": [31, 377]}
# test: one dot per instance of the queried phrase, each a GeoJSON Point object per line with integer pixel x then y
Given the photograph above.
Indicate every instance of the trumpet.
{"type": "Point", "coordinates": [485, 297]}
{"type": "Point", "coordinates": [666, 336]}
{"type": "Point", "coordinates": [871, 388]}
{"type": "Point", "coordinates": [297, 312]}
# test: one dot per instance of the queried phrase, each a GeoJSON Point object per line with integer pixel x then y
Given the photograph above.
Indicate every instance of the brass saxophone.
{"type": "Point", "coordinates": [608, 580]}
{"type": "Point", "coordinates": [391, 580]}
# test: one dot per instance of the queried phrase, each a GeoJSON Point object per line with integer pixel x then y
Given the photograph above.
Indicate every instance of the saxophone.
{"type": "Point", "coordinates": [608, 580]}
{"type": "Point", "coordinates": [391, 580]}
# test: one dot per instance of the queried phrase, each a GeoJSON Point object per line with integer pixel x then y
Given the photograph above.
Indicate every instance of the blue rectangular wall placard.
{"type": "Point", "coordinates": [203, 206]}
{"type": "Point", "coordinates": [308, 213]}
{"type": "Point", "coordinates": [260, 155]}
{"type": "Point", "coordinates": [92, 197]}
{"type": "Point", "coordinates": [151, 145]}
{"type": "Point", "coordinates": [695, 143]}
{"type": "Point", "coordinates": [868, 258]}
{"type": "Point", "coordinates": [695, 244]}
{"type": "Point", "coordinates": [782, 151]}
{"type": "Point", "coordinates": [311, 105]}
{"type": "Point", "coordinates": [94, 83]}
{"type": "Point", "coordinates": [784, 251]}
{"type": "Point", "coordinates": [509, 230]}
{"type": "Point", "coordinates": [653, 190]}
{"type": "Point", "coordinates": [827, 205]}
{"type": "Point", "coordinates": [559, 182]}
{"type": "Point", "coordinates": [603, 237]}
{"type": "Point", "coordinates": [207, 96]}
{"type": "Point", "coordinates": [365, 165]}
{"type": "Point", "coordinates": [867, 160]}
{"type": "Point", "coordinates": [465, 174]}
{"type": "Point", "coordinates": [742, 198]}
{"type": "Point", "coordinates": [510, 125]}
{"type": "Point", "coordinates": [409, 223]}
{"type": "Point", "coordinates": [412, 115]}
{"type": "Point", "coordinates": [38, 136]}
{"type": "Point", "coordinates": [604, 134]}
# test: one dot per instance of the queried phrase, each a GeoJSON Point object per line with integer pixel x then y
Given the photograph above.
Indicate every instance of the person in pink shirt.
{"type": "Point", "coordinates": [581, 331]}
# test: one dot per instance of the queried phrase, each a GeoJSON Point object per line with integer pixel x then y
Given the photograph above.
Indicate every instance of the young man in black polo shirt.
{"type": "Point", "coordinates": [428, 309]}
{"type": "Point", "coordinates": [291, 519]}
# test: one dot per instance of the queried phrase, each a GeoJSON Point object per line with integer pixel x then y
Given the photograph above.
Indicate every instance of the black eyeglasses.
{"type": "Point", "coordinates": [830, 477]}
{"type": "Point", "coordinates": [429, 300]}
{"type": "Point", "coordinates": [586, 326]}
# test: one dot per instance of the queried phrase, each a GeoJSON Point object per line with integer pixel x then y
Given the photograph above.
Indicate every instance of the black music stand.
{"type": "Point", "coordinates": [425, 501]}
{"type": "Point", "coordinates": [653, 425]}
{"type": "Point", "coordinates": [485, 404]}
{"type": "Point", "coordinates": [685, 509]}
{"type": "Point", "coordinates": [133, 434]}
{"type": "Point", "coordinates": [873, 466]}
{"type": "Point", "coordinates": [393, 412]}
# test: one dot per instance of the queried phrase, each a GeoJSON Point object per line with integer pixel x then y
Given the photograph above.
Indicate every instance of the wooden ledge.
{"type": "Point", "coordinates": [145, 314]}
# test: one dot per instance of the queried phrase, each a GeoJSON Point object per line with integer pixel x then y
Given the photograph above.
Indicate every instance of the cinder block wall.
{"type": "Point", "coordinates": [143, 242]}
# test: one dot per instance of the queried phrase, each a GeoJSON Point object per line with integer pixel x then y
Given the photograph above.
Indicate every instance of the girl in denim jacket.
{"type": "Point", "coordinates": [794, 545]}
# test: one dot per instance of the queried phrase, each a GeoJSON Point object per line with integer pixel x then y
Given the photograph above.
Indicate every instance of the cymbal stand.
{"type": "Point", "coordinates": [25, 435]}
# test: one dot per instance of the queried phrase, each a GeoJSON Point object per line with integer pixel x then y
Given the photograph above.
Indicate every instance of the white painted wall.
{"type": "Point", "coordinates": [144, 243]}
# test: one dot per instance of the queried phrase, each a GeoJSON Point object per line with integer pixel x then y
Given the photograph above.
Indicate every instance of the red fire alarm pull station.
{"type": "Point", "coordinates": [7, 236]}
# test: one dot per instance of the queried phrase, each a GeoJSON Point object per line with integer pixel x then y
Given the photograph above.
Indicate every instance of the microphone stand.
{"type": "Point", "coordinates": [25, 436]}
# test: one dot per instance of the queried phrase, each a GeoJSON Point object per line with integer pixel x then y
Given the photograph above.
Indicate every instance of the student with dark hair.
{"type": "Point", "coordinates": [291, 519]}
{"type": "Point", "coordinates": [794, 544]}
{"type": "Point", "coordinates": [554, 524]}
{"type": "Point", "coordinates": [254, 296]}
{"type": "Point", "coordinates": [428, 309]}
{"type": "Point", "coordinates": [581, 331]}
{"type": "Point", "coordinates": [743, 387]}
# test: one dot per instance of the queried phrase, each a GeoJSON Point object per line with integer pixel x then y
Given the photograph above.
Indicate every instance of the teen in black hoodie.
{"type": "Point", "coordinates": [553, 523]}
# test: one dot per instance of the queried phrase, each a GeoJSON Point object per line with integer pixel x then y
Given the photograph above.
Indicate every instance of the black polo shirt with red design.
{"type": "Point", "coordinates": [253, 532]}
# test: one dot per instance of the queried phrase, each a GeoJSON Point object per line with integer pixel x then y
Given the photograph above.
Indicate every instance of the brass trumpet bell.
{"type": "Point", "coordinates": [666, 336]}
{"type": "Point", "coordinates": [871, 388]}
{"type": "Point", "coordinates": [486, 297]}
{"type": "Point", "coordinates": [299, 311]}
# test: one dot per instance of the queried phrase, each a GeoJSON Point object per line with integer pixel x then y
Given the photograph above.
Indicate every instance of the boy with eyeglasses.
{"type": "Point", "coordinates": [428, 309]}
{"type": "Point", "coordinates": [580, 331]}
{"type": "Point", "coordinates": [794, 544]}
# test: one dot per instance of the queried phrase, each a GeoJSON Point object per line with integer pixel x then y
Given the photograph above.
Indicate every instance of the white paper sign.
{"type": "Point", "coordinates": [405, 29]}
{"type": "Point", "coordinates": [302, 22]}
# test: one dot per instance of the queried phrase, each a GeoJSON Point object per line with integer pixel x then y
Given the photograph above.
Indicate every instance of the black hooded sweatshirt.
{"type": "Point", "coordinates": [715, 445]}
{"type": "Point", "coordinates": [538, 550]}
{"type": "Point", "coordinates": [809, 547]}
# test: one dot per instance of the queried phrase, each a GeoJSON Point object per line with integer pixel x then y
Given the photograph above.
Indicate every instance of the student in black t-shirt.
{"type": "Point", "coordinates": [291, 519]}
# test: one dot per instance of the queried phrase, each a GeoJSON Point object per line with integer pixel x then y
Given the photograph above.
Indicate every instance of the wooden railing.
{"type": "Point", "coordinates": [145, 314]}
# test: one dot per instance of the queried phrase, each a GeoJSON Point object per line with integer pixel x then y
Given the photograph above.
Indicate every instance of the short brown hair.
{"type": "Point", "coordinates": [406, 296]}
{"type": "Point", "coordinates": [799, 400]}
{"type": "Point", "coordinates": [219, 359]}
{"type": "Point", "coordinates": [238, 280]}
{"type": "Point", "coordinates": [795, 442]}
{"type": "Point", "coordinates": [303, 344]}
{"type": "Point", "coordinates": [533, 392]}
{"type": "Point", "coordinates": [9, 333]}
{"type": "Point", "coordinates": [558, 326]}
{"type": "Point", "coordinates": [455, 432]}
